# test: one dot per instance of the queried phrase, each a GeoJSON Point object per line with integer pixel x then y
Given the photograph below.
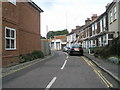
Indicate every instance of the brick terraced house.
{"type": "Point", "coordinates": [20, 30]}
{"type": "Point", "coordinates": [99, 31]}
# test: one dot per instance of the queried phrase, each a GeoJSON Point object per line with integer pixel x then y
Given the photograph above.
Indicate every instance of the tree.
{"type": "Point", "coordinates": [51, 34]}
{"type": "Point", "coordinates": [41, 37]}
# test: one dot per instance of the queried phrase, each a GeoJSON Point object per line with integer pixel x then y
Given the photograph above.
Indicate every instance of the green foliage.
{"type": "Point", "coordinates": [108, 51]}
{"type": "Point", "coordinates": [42, 37]}
{"type": "Point", "coordinates": [51, 34]}
{"type": "Point", "coordinates": [37, 54]}
{"type": "Point", "coordinates": [32, 56]}
{"type": "Point", "coordinates": [115, 60]}
{"type": "Point", "coordinates": [92, 49]}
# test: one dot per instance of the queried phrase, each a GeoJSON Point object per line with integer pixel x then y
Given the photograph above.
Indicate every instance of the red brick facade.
{"type": "Point", "coordinates": [25, 19]}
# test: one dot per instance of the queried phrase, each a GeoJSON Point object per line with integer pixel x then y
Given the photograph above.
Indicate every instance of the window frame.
{"type": "Point", "coordinates": [111, 16]}
{"type": "Point", "coordinates": [115, 12]}
{"type": "Point", "coordinates": [101, 25]}
{"type": "Point", "coordinates": [104, 23]}
{"type": "Point", "coordinates": [10, 38]}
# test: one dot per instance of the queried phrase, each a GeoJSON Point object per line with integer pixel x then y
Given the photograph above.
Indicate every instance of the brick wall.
{"type": "Point", "coordinates": [26, 20]}
{"type": "Point", "coordinates": [0, 34]}
{"type": "Point", "coordinates": [29, 28]}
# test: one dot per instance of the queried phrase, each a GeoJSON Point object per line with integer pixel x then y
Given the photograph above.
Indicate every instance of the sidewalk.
{"type": "Point", "coordinates": [108, 67]}
{"type": "Point", "coordinates": [8, 69]}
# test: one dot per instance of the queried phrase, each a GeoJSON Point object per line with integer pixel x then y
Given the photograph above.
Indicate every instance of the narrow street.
{"type": "Point", "coordinates": [60, 71]}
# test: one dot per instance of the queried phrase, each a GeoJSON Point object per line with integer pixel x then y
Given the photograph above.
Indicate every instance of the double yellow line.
{"type": "Point", "coordinates": [108, 84]}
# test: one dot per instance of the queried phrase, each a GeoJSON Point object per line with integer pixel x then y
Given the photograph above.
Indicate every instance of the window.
{"type": "Point", "coordinates": [101, 27]}
{"type": "Point", "coordinates": [115, 13]}
{"type": "Point", "coordinates": [10, 38]}
{"type": "Point", "coordinates": [111, 19]}
{"type": "Point", "coordinates": [12, 1]}
{"type": "Point", "coordinates": [93, 29]}
{"type": "Point", "coordinates": [110, 36]}
{"type": "Point", "coordinates": [104, 23]}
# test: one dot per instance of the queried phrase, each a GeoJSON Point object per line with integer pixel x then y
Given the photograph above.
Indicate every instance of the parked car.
{"type": "Point", "coordinates": [75, 50]}
{"type": "Point", "coordinates": [65, 49]}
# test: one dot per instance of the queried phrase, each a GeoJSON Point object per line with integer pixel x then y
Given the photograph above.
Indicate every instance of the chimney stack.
{"type": "Point", "coordinates": [77, 27]}
{"type": "Point", "coordinates": [87, 21]}
{"type": "Point", "coordinates": [94, 16]}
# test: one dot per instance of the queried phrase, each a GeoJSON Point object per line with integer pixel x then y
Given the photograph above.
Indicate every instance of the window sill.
{"type": "Point", "coordinates": [110, 23]}
{"type": "Point", "coordinates": [114, 20]}
{"type": "Point", "coordinates": [10, 49]}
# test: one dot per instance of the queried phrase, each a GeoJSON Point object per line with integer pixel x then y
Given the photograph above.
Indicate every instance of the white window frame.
{"type": "Point", "coordinates": [96, 28]}
{"type": "Point", "coordinates": [93, 29]}
{"type": "Point", "coordinates": [10, 38]}
{"type": "Point", "coordinates": [115, 12]}
{"type": "Point", "coordinates": [111, 16]}
{"type": "Point", "coordinates": [101, 23]}
{"type": "Point", "coordinates": [12, 1]}
{"type": "Point", "coordinates": [104, 23]}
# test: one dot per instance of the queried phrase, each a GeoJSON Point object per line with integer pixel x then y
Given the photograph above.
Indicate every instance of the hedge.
{"type": "Point", "coordinates": [31, 56]}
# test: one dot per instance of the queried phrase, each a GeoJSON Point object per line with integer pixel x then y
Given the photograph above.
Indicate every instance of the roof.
{"type": "Point", "coordinates": [35, 6]}
{"type": "Point", "coordinates": [110, 6]}
{"type": "Point", "coordinates": [60, 37]}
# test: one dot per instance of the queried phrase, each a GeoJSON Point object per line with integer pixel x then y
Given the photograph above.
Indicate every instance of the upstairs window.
{"type": "Point", "coordinates": [101, 25]}
{"type": "Point", "coordinates": [104, 23]}
{"type": "Point", "coordinates": [115, 13]}
{"type": "Point", "coordinates": [12, 1]}
{"type": "Point", "coordinates": [10, 39]}
{"type": "Point", "coordinates": [111, 17]}
{"type": "Point", "coordinates": [95, 27]}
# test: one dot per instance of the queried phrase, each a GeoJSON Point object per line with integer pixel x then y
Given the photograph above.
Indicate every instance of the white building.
{"type": "Point", "coordinates": [58, 42]}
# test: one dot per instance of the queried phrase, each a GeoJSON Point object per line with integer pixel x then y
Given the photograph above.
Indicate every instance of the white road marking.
{"type": "Point", "coordinates": [66, 54]}
{"type": "Point", "coordinates": [67, 57]}
{"type": "Point", "coordinates": [51, 83]}
{"type": "Point", "coordinates": [64, 64]}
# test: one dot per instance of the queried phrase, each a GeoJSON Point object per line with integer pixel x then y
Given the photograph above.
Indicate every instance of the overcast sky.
{"type": "Point", "coordinates": [62, 14]}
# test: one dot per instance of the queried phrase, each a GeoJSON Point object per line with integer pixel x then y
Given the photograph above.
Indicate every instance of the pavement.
{"type": "Point", "coordinates": [8, 69]}
{"type": "Point", "coordinates": [109, 67]}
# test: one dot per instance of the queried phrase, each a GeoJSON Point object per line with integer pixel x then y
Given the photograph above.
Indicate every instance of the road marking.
{"type": "Point", "coordinates": [108, 84]}
{"type": "Point", "coordinates": [51, 83]}
{"type": "Point", "coordinates": [66, 54]}
{"type": "Point", "coordinates": [64, 64]}
{"type": "Point", "coordinates": [101, 78]}
{"type": "Point", "coordinates": [67, 57]}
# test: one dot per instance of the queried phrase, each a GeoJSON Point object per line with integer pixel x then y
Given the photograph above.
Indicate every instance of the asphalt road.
{"type": "Point", "coordinates": [59, 71]}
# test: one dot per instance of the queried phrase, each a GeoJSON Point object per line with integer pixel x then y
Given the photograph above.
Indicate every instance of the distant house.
{"type": "Point", "coordinates": [71, 37]}
{"type": "Point", "coordinates": [20, 30]}
{"type": "Point", "coordinates": [58, 42]}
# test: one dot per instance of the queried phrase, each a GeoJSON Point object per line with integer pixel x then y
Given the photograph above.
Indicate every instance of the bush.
{"type": "Point", "coordinates": [115, 60]}
{"type": "Point", "coordinates": [92, 49]}
{"type": "Point", "coordinates": [107, 51]}
{"type": "Point", "coordinates": [22, 59]}
{"type": "Point", "coordinates": [32, 56]}
{"type": "Point", "coordinates": [37, 54]}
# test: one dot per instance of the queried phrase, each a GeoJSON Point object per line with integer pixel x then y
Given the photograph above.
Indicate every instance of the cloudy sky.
{"type": "Point", "coordinates": [62, 14]}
